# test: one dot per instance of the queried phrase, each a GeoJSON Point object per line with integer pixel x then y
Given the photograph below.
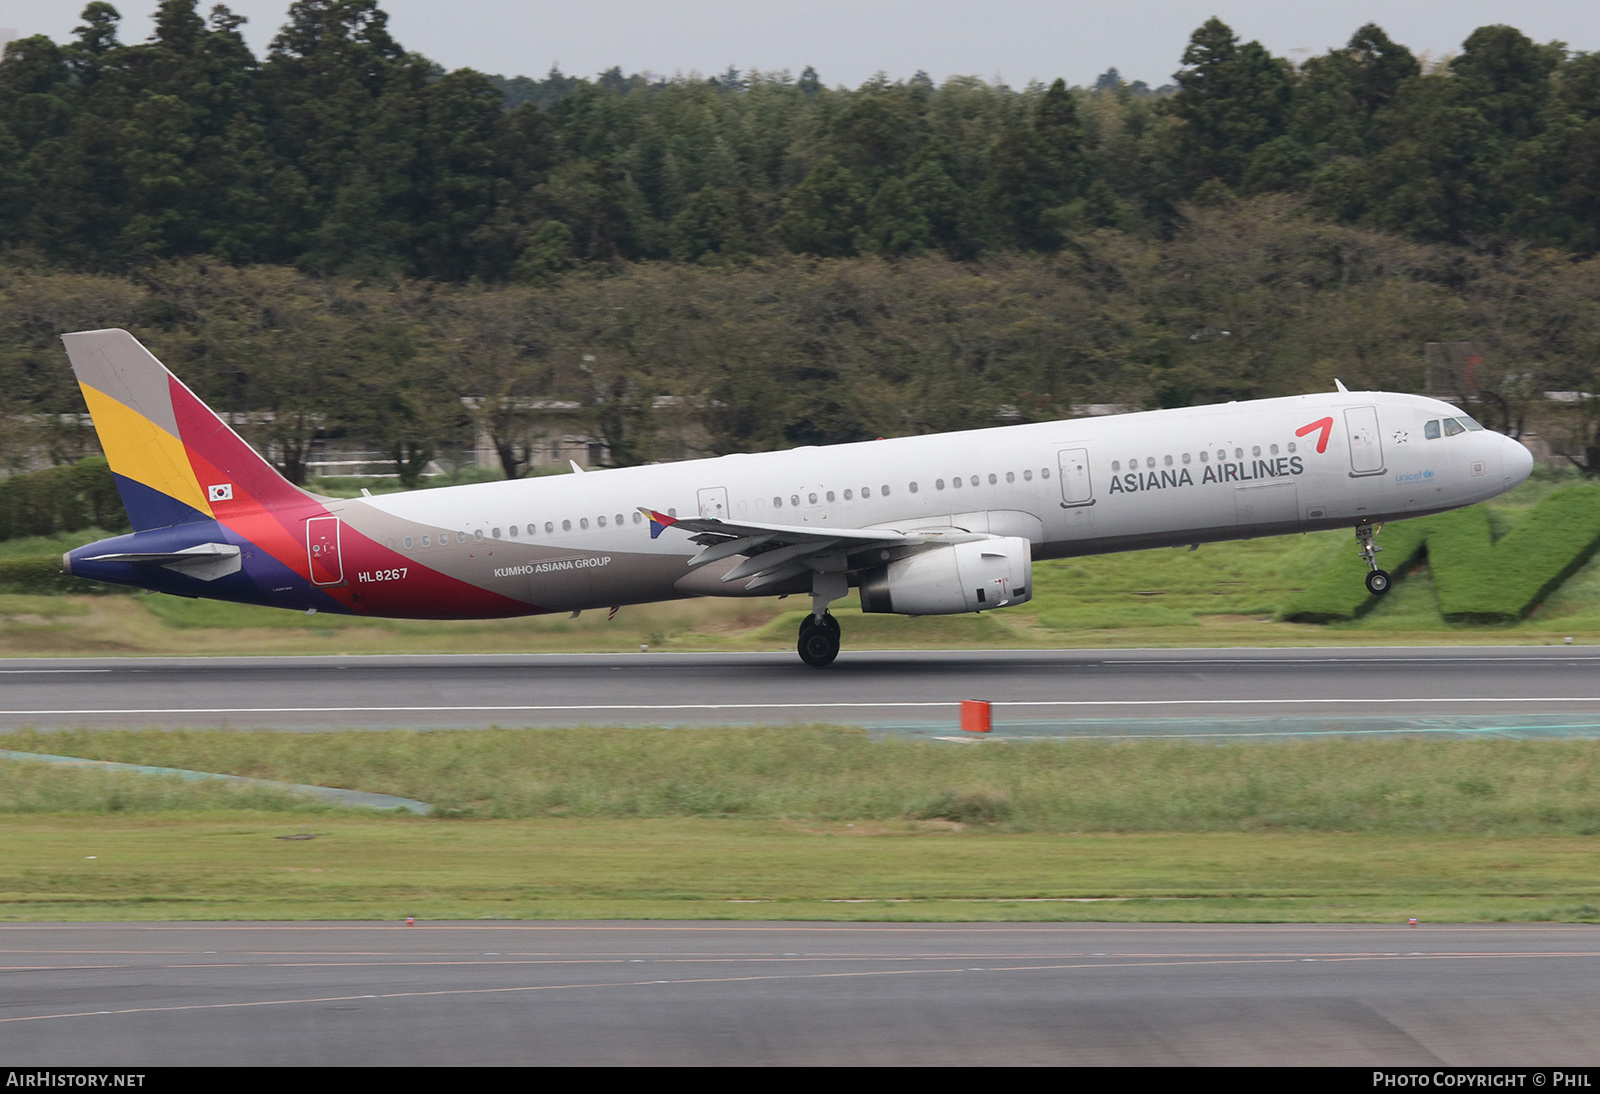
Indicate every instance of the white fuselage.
{"type": "Point", "coordinates": [1075, 487]}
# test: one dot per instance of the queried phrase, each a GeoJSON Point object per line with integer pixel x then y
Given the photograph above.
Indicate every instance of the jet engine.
{"type": "Point", "coordinates": [962, 577]}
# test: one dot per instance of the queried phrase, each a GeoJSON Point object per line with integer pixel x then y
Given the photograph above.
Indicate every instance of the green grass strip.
{"type": "Point", "coordinates": [207, 867]}
{"type": "Point", "coordinates": [834, 774]}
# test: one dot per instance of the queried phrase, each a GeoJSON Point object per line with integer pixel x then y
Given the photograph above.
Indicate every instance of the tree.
{"type": "Point", "coordinates": [823, 214]}
{"type": "Point", "coordinates": [1038, 170]}
{"type": "Point", "coordinates": [497, 366]}
{"type": "Point", "coordinates": [1232, 99]}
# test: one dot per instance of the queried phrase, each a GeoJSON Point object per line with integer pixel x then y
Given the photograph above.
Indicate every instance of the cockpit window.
{"type": "Point", "coordinates": [1470, 424]}
{"type": "Point", "coordinates": [1452, 427]}
{"type": "Point", "coordinates": [1431, 430]}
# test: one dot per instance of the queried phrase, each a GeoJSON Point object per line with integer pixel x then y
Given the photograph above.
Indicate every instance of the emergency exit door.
{"type": "Point", "coordinates": [714, 502]}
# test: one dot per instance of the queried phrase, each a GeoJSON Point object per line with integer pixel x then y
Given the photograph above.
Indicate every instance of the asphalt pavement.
{"type": "Point", "coordinates": [129, 995]}
{"type": "Point", "coordinates": [1508, 690]}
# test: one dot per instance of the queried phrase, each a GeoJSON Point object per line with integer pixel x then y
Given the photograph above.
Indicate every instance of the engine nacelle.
{"type": "Point", "coordinates": [963, 577]}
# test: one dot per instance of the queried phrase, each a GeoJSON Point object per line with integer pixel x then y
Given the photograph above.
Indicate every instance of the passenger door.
{"type": "Point", "coordinates": [1076, 487]}
{"type": "Point", "coordinates": [322, 548]}
{"type": "Point", "coordinates": [1366, 444]}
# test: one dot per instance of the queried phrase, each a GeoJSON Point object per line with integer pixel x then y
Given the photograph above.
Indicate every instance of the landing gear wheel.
{"type": "Point", "coordinates": [819, 642]}
{"type": "Point", "coordinates": [1378, 582]}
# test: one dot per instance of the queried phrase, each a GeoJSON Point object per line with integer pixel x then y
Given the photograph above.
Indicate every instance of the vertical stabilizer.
{"type": "Point", "coordinates": [175, 461]}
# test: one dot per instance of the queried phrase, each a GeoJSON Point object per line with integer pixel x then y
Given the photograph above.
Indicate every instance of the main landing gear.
{"type": "Point", "coordinates": [819, 640]}
{"type": "Point", "coordinates": [1378, 581]}
{"type": "Point", "coordinates": [819, 631]}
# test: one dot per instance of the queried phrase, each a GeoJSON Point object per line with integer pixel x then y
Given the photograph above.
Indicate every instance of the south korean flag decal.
{"type": "Point", "coordinates": [224, 492]}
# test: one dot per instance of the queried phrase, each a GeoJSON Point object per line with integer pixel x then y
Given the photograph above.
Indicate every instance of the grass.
{"type": "Point", "coordinates": [837, 774]}
{"type": "Point", "coordinates": [804, 823]}
{"type": "Point", "coordinates": [200, 867]}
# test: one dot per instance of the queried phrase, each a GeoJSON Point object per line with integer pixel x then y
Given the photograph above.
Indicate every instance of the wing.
{"type": "Point", "coordinates": [778, 552]}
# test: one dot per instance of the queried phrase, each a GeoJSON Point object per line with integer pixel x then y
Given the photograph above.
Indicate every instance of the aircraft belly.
{"type": "Point", "coordinates": [707, 581]}
{"type": "Point", "coordinates": [569, 580]}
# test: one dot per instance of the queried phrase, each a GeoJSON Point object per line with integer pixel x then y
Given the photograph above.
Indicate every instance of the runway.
{"type": "Point", "coordinates": [131, 995]}
{"type": "Point", "coordinates": [1519, 691]}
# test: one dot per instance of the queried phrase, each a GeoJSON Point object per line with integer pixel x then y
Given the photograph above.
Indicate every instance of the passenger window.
{"type": "Point", "coordinates": [849, 495]}
{"type": "Point", "coordinates": [794, 499]}
{"type": "Point", "coordinates": [426, 542]}
{"type": "Point", "coordinates": [1011, 476]}
{"type": "Point", "coordinates": [1256, 450]}
{"type": "Point", "coordinates": [496, 533]}
{"type": "Point", "coordinates": [477, 534]}
{"type": "Point", "coordinates": [619, 518]}
{"type": "Point", "coordinates": [955, 483]}
{"type": "Point", "coordinates": [583, 522]}
{"type": "Point", "coordinates": [601, 521]}
{"type": "Point", "coordinates": [1116, 465]}
{"type": "Point", "coordinates": [1150, 462]}
{"type": "Point", "coordinates": [866, 491]}
{"type": "Point", "coordinates": [533, 529]}
{"type": "Point", "coordinates": [1167, 460]}
{"type": "Point", "coordinates": [1291, 446]}
{"type": "Point", "coordinates": [912, 488]}
{"type": "Point", "coordinates": [811, 499]}
{"type": "Point", "coordinates": [1431, 430]}
{"type": "Point", "coordinates": [830, 495]}
{"type": "Point", "coordinates": [1044, 472]}
{"type": "Point", "coordinates": [461, 537]}
{"type": "Point", "coordinates": [1238, 453]}
{"type": "Point", "coordinates": [513, 531]}
{"type": "Point", "coordinates": [1452, 427]}
{"type": "Point", "coordinates": [566, 526]}
{"type": "Point", "coordinates": [1273, 450]}
{"type": "Point", "coordinates": [639, 517]}
{"type": "Point", "coordinates": [992, 479]}
{"type": "Point", "coordinates": [1186, 457]}
{"type": "Point", "coordinates": [550, 525]}
{"type": "Point", "coordinates": [408, 543]}
{"type": "Point", "coordinates": [884, 489]}
{"type": "Point", "coordinates": [938, 484]}
{"type": "Point", "coordinates": [777, 503]}
{"type": "Point", "coordinates": [1027, 476]}
{"type": "Point", "coordinates": [974, 480]}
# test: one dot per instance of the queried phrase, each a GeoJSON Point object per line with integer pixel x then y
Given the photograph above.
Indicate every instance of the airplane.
{"type": "Point", "coordinates": [929, 525]}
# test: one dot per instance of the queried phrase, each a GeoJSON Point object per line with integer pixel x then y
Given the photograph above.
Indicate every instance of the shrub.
{"type": "Point", "coordinates": [61, 499]}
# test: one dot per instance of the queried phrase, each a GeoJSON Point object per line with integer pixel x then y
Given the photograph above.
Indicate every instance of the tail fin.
{"type": "Point", "coordinates": [175, 462]}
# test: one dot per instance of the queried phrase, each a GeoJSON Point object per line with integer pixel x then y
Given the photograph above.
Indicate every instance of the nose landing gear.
{"type": "Point", "coordinates": [1378, 581]}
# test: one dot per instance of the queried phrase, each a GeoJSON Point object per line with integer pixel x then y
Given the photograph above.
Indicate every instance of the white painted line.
{"type": "Point", "coordinates": [812, 706]}
{"type": "Point", "coordinates": [45, 672]}
{"type": "Point", "coordinates": [1361, 660]}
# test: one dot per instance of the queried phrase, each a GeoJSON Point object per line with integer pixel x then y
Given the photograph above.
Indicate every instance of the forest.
{"type": "Point", "coordinates": [341, 238]}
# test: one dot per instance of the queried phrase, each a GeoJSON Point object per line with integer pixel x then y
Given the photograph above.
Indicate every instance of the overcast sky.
{"type": "Point", "coordinates": [847, 41]}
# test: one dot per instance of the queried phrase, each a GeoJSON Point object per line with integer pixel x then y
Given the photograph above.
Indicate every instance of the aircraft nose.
{"type": "Point", "coordinates": [1517, 460]}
